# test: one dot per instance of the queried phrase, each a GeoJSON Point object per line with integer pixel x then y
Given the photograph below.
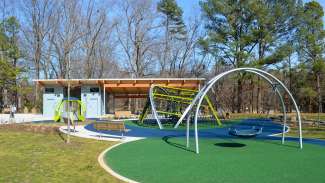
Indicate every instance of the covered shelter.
{"type": "Point", "coordinates": [99, 95]}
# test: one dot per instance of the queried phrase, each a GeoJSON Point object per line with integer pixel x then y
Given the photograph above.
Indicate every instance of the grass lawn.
{"type": "Point", "coordinates": [308, 116]}
{"type": "Point", "coordinates": [155, 160]}
{"type": "Point", "coordinates": [36, 157]}
{"type": "Point", "coordinates": [308, 132]}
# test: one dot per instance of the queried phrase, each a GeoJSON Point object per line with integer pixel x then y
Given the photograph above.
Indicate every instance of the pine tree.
{"type": "Point", "coordinates": [173, 20]}
{"type": "Point", "coordinates": [311, 37]}
{"type": "Point", "coordinates": [229, 27]}
{"type": "Point", "coordinates": [175, 29]}
{"type": "Point", "coordinates": [10, 54]}
{"type": "Point", "coordinates": [254, 33]}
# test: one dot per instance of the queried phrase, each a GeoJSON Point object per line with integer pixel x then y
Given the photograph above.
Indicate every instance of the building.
{"type": "Point", "coordinates": [99, 95]}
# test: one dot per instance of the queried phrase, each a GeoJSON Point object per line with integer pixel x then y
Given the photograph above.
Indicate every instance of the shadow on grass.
{"type": "Point", "coordinates": [61, 135]}
{"type": "Point", "coordinates": [230, 144]}
{"type": "Point", "coordinates": [180, 146]}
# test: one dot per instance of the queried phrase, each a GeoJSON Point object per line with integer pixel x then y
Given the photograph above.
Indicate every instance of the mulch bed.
{"type": "Point", "coordinates": [30, 128]}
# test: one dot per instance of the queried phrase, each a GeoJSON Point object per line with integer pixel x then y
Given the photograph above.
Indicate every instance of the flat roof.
{"type": "Point", "coordinates": [125, 85]}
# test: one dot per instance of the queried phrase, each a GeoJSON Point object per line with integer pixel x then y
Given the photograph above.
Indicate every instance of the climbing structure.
{"type": "Point", "coordinates": [169, 103]}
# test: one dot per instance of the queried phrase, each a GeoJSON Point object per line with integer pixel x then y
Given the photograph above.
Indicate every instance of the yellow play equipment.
{"type": "Point", "coordinates": [77, 109]}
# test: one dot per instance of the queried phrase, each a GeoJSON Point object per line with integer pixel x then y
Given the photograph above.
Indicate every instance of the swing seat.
{"type": "Point", "coordinates": [245, 132]}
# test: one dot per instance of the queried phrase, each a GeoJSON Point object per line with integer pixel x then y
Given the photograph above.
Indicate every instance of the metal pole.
{"type": "Point", "coordinates": [153, 106]}
{"type": "Point", "coordinates": [188, 131]}
{"type": "Point", "coordinates": [68, 115]}
{"type": "Point", "coordinates": [196, 134]}
{"type": "Point", "coordinates": [284, 116]}
{"type": "Point", "coordinates": [104, 100]}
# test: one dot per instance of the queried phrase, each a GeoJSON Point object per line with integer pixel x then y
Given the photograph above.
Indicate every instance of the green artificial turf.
{"type": "Point", "coordinates": [158, 160]}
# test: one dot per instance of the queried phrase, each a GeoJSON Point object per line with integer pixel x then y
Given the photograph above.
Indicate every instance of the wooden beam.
{"type": "Point", "coordinates": [60, 83]}
{"type": "Point", "coordinates": [131, 96]}
{"type": "Point", "coordinates": [129, 85]}
{"type": "Point", "coordinates": [40, 83]}
{"type": "Point", "coordinates": [124, 90]}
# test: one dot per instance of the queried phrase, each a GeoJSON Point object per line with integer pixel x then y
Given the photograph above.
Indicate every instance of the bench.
{"type": "Point", "coordinates": [123, 114]}
{"type": "Point", "coordinates": [111, 125]}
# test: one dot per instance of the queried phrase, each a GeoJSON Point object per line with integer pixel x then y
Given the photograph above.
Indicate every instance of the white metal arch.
{"type": "Point", "coordinates": [153, 105]}
{"type": "Point", "coordinates": [199, 98]}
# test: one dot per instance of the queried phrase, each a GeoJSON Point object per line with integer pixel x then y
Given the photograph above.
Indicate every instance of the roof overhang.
{"type": "Point", "coordinates": [125, 85]}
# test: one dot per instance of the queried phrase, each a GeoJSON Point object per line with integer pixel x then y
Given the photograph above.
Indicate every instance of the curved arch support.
{"type": "Point", "coordinates": [199, 98]}
{"type": "Point", "coordinates": [153, 106]}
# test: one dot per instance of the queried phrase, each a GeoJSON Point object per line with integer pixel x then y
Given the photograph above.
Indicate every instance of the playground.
{"type": "Point", "coordinates": [183, 135]}
{"type": "Point", "coordinates": [163, 145]}
{"type": "Point", "coordinates": [162, 91]}
{"type": "Point", "coordinates": [241, 151]}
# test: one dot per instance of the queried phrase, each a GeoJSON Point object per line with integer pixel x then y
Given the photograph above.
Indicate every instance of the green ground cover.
{"type": "Point", "coordinates": [36, 157]}
{"type": "Point", "coordinates": [308, 132]}
{"type": "Point", "coordinates": [158, 160]}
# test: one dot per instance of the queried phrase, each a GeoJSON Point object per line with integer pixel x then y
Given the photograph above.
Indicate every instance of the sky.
{"type": "Point", "coordinates": [192, 7]}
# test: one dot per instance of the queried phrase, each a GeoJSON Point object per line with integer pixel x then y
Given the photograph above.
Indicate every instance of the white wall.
{"type": "Point", "coordinates": [92, 101]}
{"type": "Point", "coordinates": [50, 100]}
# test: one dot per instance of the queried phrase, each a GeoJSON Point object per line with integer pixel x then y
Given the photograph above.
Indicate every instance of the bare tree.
{"type": "Point", "coordinates": [182, 52]}
{"type": "Point", "coordinates": [137, 35]}
{"type": "Point", "coordinates": [67, 34]}
{"type": "Point", "coordinates": [93, 27]}
{"type": "Point", "coordinates": [38, 15]}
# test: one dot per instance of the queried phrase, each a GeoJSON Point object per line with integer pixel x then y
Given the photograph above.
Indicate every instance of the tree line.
{"type": "Point", "coordinates": [144, 38]}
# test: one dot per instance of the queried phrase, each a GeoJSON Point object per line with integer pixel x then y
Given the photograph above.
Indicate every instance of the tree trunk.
{"type": "Point", "coordinates": [239, 92]}
{"type": "Point", "coordinates": [251, 101]}
{"type": "Point", "coordinates": [37, 60]}
{"type": "Point", "coordinates": [320, 110]}
{"type": "Point", "coordinates": [233, 101]}
{"type": "Point", "coordinates": [289, 108]}
{"type": "Point", "coordinates": [258, 94]}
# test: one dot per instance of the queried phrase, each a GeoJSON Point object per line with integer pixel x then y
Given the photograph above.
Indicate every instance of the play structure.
{"type": "Point", "coordinates": [77, 110]}
{"type": "Point", "coordinates": [194, 100]}
{"type": "Point", "coordinates": [170, 102]}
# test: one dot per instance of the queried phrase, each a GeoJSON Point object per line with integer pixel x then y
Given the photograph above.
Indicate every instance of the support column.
{"type": "Point", "coordinates": [108, 102]}
{"type": "Point", "coordinates": [104, 100]}
{"type": "Point", "coordinates": [113, 103]}
{"type": "Point", "coordinates": [188, 131]}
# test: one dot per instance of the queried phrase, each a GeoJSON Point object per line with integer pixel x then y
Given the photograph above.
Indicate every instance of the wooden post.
{"type": "Point", "coordinates": [113, 103]}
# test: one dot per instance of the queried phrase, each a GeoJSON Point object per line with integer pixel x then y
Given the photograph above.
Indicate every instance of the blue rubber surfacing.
{"type": "Point", "coordinates": [269, 128]}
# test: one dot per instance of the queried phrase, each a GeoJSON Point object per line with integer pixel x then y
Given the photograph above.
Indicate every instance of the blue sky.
{"type": "Point", "coordinates": [192, 7]}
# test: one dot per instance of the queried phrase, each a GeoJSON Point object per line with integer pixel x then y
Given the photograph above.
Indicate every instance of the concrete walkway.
{"type": "Point", "coordinates": [80, 131]}
{"type": "Point", "coordinates": [23, 118]}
